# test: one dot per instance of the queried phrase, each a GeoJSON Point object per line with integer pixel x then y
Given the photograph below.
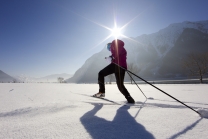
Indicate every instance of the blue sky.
{"type": "Point", "coordinates": [43, 37]}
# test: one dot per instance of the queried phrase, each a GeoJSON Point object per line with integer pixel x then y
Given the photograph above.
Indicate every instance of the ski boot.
{"type": "Point", "coordinates": [130, 99]}
{"type": "Point", "coordinates": [99, 94]}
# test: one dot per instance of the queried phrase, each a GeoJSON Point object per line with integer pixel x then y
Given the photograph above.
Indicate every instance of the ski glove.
{"type": "Point", "coordinates": [109, 59]}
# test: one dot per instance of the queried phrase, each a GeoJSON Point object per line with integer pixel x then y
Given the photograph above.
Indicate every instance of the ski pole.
{"type": "Point", "coordinates": [159, 89]}
{"type": "Point", "coordinates": [137, 85]}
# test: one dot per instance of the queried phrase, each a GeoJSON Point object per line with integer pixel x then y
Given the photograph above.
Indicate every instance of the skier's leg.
{"type": "Point", "coordinates": [101, 76]}
{"type": "Point", "coordinates": [120, 74]}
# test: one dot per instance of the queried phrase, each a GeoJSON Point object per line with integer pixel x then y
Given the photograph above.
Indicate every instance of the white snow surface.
{"type": "Point", "coordinates": [65, 111]}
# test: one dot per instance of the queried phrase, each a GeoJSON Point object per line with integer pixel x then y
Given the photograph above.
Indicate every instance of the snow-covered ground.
{"type": "Point", "coordinates": [31, 111]}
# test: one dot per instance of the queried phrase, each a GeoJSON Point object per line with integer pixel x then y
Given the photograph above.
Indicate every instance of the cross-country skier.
{"type": "Point", "coordinates": [118, 57]}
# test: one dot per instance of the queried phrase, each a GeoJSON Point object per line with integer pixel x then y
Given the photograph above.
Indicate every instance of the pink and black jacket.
{"type": "Point", "coordinates": [119, 53]}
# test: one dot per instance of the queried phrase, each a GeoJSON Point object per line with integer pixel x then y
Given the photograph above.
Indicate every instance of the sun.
{"type": "Point", "coordinates": [116, 32]}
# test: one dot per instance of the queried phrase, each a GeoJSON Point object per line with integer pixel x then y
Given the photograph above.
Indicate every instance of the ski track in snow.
{"type": "Point", "coordinates": [66, 111]}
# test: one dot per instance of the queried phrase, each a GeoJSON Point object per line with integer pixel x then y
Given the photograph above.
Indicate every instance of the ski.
{"type": "Point", "coordinates": [114, 102]}
{"type": "Point", "coordinates": [117, 103]}
{"type": "Point", "coordinates": [107, 100]}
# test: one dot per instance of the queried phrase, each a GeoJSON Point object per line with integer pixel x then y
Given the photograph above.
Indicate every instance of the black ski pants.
{"type": "Point", "coordinates": [119, 74]}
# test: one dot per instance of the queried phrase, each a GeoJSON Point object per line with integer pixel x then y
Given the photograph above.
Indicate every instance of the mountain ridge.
{"type": "Point", "coordinates": [147, 52]}
{"type": "Point", "coordinates": [5, 78]}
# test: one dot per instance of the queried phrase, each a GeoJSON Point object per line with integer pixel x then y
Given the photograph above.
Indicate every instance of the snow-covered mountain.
{"type": "Point", "coordinates": [157, 55]}
{"type": "Point", "coordinates": [49, 78]}
{"type": "Point", "coordinates": [166, 38]}
{"type": "Point", "coordinates": [88, 72]}
{"type": "Point", "coordinates": [5, 78]}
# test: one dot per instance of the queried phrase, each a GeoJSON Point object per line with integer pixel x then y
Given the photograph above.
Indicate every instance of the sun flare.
{"type": "Point", "coordinates": [116, 32]}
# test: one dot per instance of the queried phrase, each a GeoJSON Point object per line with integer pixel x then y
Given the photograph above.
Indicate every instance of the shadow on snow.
{"type": "Point", "coordinates": [33, 111]}
{"type": "Point", "coordinates": [123, 126]}
{"type": "Point", "coordinates": [190, 127]}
